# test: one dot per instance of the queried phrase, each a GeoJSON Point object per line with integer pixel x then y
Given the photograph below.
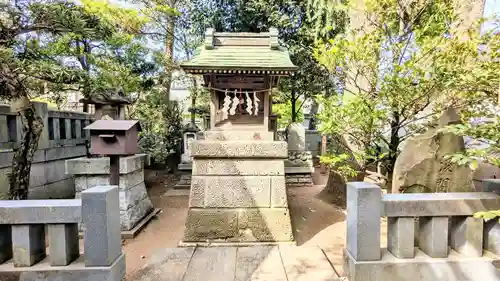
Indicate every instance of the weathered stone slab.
{"type": "Point", "coordinates": [244, 149]}
{"type": "Point", "coordinates": [101, 217]}
{"type": "Point", "coordinates": [492, 236]}
{"type": "Point", "coordinates": [438, 204]}
{"type": "Point", "coordinates": [422, 268]}
{"type": "Point", "coordinates": [76, 271]}
{"type": "Point", "coordinates": [63, 243]}
{"type": "Point", "coordinates": [133, 196]}
{"type": "Point", "coordinates": [212, 264]}
{"type": "Point", "coordinates": [231, 167]}
{"type": "Point", "coordinates": [467, 236]}
{"type": "Point", "coordinates": [259, 263]}
{"type": "Point", "coordinates": [127, 181]}
{"type": "Point", "coordinates": [433, 236]}
{"type": "Point", "coordinates": [203, 224]}
{"type": "Point", "coordinates": [100, 166]}
{"type": "Point", "coordinates": [233, 191]}
{"type": "Point", "coordinates": [5, 243]}
{"type": "Point", "coordinates": [130, 217]}
{"type": "Point", "coordinates": [265, 224]}
{"type": "Point", "coordinates": [167, 264]}
{"type": "Point", "coordinates": [306, 264]}
{"type": "Point", "coordinates": [28, 244]}
{"type": "Point", "coordinates": [363, 216]}
{"type": "Point", "coordinates": [400, 237]}
{"type": "Point", "coordinates": [278, 192]}
{"type": "Point", "coordinates": [40, 211]}
{"type": "Point", "coordinates": [238, 135]}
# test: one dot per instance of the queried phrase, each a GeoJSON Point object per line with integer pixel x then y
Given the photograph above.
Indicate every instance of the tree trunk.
{"type": "Point", "coordinates": [294, 106]}
{"type": "Point", "coordinates": [21, 163]}
{"type": "Point", "coordinates": [169, 53]}
{"type": "Point", "coordinates": [393, 149]}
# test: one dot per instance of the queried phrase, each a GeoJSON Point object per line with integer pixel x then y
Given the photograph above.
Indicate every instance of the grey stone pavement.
{"type": "Point", "coordinates": [254, 263]}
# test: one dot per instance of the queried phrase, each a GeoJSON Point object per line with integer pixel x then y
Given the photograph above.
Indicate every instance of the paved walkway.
{"type": "Point", "coordinates": [255, 263]}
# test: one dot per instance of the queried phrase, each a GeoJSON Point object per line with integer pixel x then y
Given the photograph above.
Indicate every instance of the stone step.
{"type": "Point", "coordinates": [238, 192]}
{"type": "Point", "coordinates": [238, 135]}
{"type": "Point", "coordinates": [239, 149]}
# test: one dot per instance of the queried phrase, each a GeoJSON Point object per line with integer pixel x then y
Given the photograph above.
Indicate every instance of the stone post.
{"type": "Point", "coordinates": [101, 216]}
{"type": "Point", "coordinates": [364, 205]}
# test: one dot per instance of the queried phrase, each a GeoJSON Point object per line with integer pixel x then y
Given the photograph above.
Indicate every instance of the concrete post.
{"type": "Point", "coordinates": [68, 128]}
{"type": "Point", "coordinates": [364, 206]}
{"type": "Point", "coordinates": [63, 241]}
{"type": "Point", "coordinates": [56, 128]}
{"type": "Point", "coordinates": [400, 237]}
{"type": "Point", "coordinates": [28, 244]}
{"type": "Point", "coordinates": [467, 236]}
{"type": "Point", "coordinates": [433, 236]}
{"type": "Point", "coordinates": [492, 236]}
{"type": "Point", "coordinates": [78, 128]}
{"type": "Point", "coordinates": [101, 218]}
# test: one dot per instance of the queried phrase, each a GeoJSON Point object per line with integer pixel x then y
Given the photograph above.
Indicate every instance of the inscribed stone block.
{"type": "Point", "coordinates": [400, 237]}
{"type": "Point", "coordinates": [238, 149]}
{"type": "Point", "coordinates": [363, 216]}
{"type": "Point", "coordinates": [101, 216]}
{"type": "Point", "coordinates": [28, 244]}
{"type": "Point", "coordinates": [492, 236]}
{"type": "Point", "coordinates": [265, 224]}
{"type": "Point", "coordinates": [235, 191]}
{"type": "Point", "coordinates": [5, 242]}
{"type": "Point", "coordinates": [278, 192]}
{"type": "Point", "coordinates": [63, 243]}
{"type": "Point", "coordinates": [232, 167]}
{"type": "Point", "coordinates": [467, 236]}
{"type": "Point", "coordinates": [433, 236]}
{"type": "Point", "coordinates": [203, 224]}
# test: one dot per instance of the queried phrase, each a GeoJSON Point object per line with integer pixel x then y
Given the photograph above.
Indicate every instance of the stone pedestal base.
{"type": "Point", "coordinates": [299, 180]}
{"type": "Point", "coordinates": [134, 200]}
{"type": "Point", "coordinates": [299, 168]}
{"type": "Point", "coordinates": [238, 192]}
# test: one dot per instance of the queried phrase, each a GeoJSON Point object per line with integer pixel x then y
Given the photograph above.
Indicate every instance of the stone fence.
{"type": "Point", "coordinates": [445, 243]}
{"type": "Point", "coordinates": [62, 138]}
{"type": "Point", "coordinates": [23, 226]}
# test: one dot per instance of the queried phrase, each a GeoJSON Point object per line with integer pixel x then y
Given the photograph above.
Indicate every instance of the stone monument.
{"type": "Point", "coordinates": [422, 166]}
{"type": "Point", "coordinates": [238, 192]}
{"type": "Point", "coordinates": [185, 167]}
{"type": "Point", "coordinates": [299, 165]}
{"type": "Point", "coordinates": [109, 103]}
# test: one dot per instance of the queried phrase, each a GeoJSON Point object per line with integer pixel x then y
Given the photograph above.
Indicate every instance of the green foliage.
{"type": "Point", "coordinates": [285, 112]}
{"type": "Point", "coordinates": [399, 70]}
{"type": "Point", "coordinates": [488, 215]}
{"type": "Point", "coordinates": [338, 163]}
{"type": "Point", "coordinates": [161, 126]}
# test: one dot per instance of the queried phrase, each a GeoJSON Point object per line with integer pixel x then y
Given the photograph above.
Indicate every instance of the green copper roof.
{"type": "Point", "coordinates": [240, 51]}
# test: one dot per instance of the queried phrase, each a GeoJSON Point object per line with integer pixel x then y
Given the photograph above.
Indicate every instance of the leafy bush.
{"type": "Point", "coordinates": [161, 124]}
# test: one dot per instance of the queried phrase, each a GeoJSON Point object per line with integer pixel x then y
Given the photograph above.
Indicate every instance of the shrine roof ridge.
{"type": "Point", "coordinates": [243, 51]}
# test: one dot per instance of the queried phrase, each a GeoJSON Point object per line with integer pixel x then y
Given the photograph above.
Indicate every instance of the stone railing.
{"type": "Point", "coordinates": [446, 243]}
{"type": "Point", "coordinates": [62, 138]}
{"type": "Point", "coordinates": [23, 239]}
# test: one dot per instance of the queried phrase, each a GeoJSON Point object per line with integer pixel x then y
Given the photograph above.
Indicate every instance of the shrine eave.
{"type": "Point", "coordinates": [285, 71]}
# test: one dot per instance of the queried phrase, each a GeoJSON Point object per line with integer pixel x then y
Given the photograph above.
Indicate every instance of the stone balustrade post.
{"type": "Point", "coordinates": [364, 205]}
{"type": "Point", "coordinates": [101, 218]}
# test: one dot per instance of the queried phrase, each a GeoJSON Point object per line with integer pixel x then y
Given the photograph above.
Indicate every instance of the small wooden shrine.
{"type": "Point", "coordinates": [240, 69]}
